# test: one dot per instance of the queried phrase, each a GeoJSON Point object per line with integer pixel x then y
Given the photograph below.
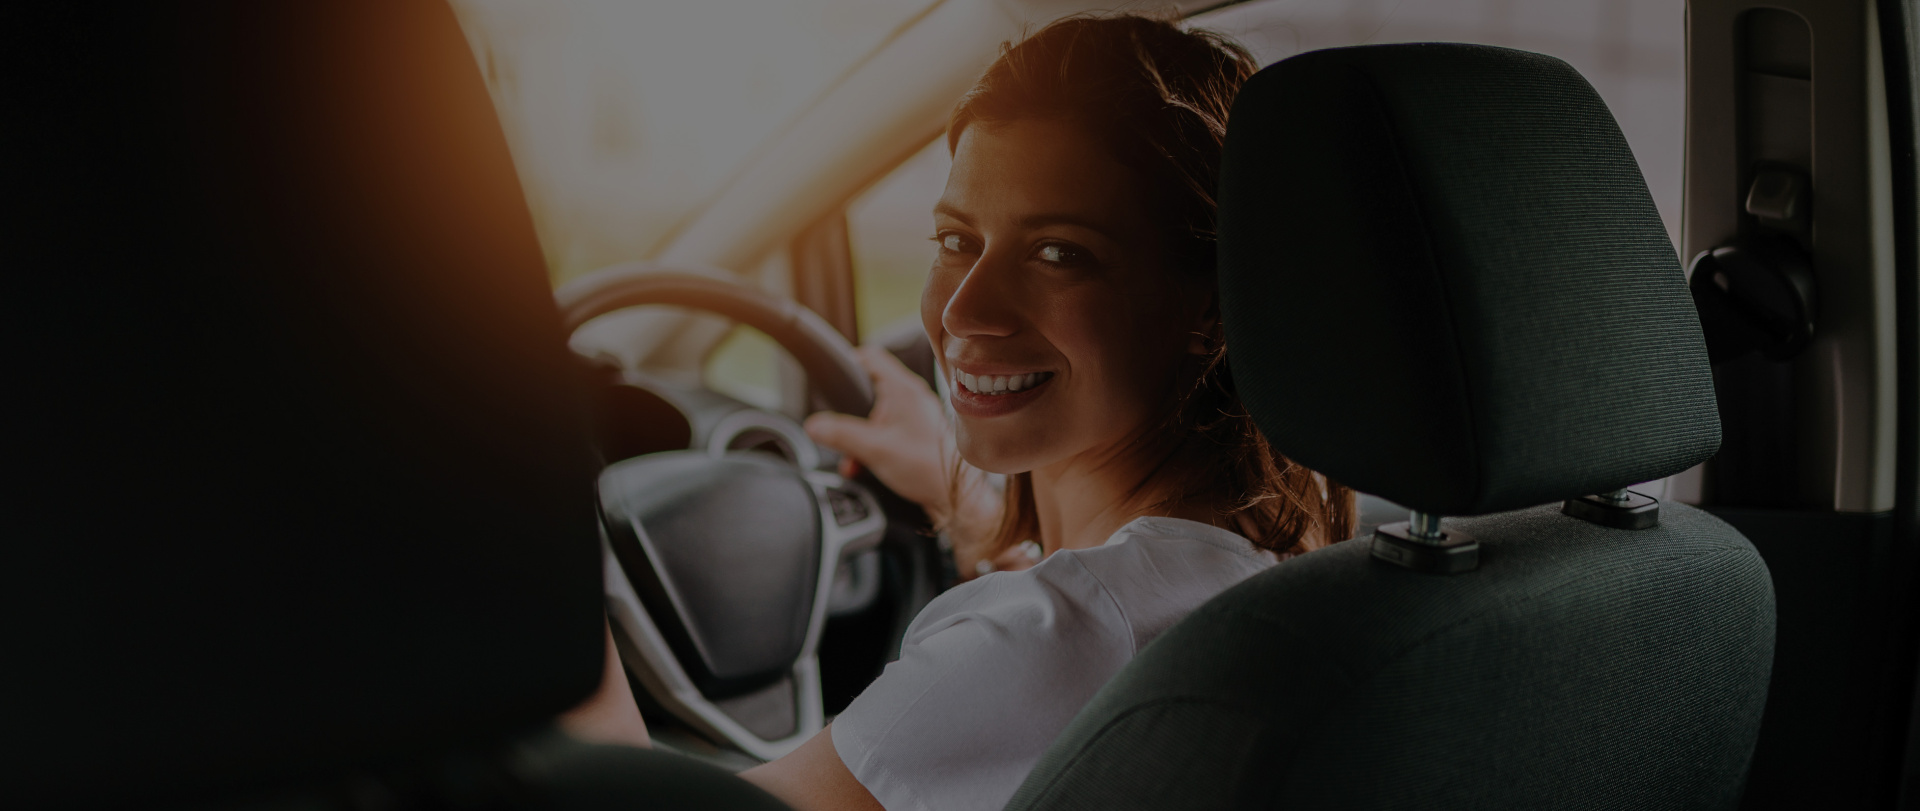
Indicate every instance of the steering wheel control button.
{"type": "Point", "coordinates": [848, 508]}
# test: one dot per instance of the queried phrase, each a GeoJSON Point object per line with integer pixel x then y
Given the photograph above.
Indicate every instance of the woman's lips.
{"type": "Point", "coordinates": [993, 395]}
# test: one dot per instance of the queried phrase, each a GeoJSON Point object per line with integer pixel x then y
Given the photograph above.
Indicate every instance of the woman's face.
{"type": "Point", "coordinates": [1060, 328]}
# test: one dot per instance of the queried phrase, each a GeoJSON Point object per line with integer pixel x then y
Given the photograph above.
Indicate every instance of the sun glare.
{"type": "Point", "coordinates": [625, 117]}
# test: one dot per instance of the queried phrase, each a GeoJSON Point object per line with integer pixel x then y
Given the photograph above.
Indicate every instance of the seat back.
{"type": "Point", "coordinates": [1564, 675]}
{"type": "Point", "coordinates": [300, 481]}
{"type": "Point", "coordinates": [1523, 300]}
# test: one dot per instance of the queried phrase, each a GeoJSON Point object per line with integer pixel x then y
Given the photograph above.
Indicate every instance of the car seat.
{"type": "Point", "coordinates": [1443, 282]}
{"type": "Point", "coordinates": [301, 494]}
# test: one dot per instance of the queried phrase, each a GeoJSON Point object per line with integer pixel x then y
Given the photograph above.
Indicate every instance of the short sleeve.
{"type": "Point", "coordinates": [988, 675]}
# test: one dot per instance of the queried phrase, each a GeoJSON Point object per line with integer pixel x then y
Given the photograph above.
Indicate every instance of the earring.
{"type": "Point", "coordinates": [1199, 344]}
{"type": "Point", "coordinates": [1202, 344]}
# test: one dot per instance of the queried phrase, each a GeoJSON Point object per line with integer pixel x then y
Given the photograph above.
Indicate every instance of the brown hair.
{"type": "Point", "coordinates": [1157, 96]}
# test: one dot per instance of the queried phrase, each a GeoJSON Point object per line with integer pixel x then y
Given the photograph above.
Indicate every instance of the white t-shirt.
{"type": "Point", "coordinates": [991, 672]}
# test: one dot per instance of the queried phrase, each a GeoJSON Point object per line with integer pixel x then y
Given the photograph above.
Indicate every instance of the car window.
{"type": "Point", "coordinates": [1631, 50]}
{"type": "Point", "coordinates": [746, 365]}
{"type": "Point", "coordinates": [889, 229]}
{"type": "Point", "coordinates": [614, 144]}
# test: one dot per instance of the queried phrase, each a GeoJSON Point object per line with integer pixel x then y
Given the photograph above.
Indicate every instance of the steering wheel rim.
{"type": "Point", "coordinates": [828, 358]}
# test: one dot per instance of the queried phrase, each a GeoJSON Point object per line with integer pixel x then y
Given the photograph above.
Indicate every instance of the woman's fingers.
{"type": "Point", "coordinates": [841, 433]}
{"type": "Point", "coordinates": [901, 441]}
{"type": "Point", "coordinates": [849, 435]}
{"type": "Point", "coordinates": [899, 392]}
{"type": "Point", "coordinates": [878, 360]}
{"type": "Point", "coordinates": [885, 368]}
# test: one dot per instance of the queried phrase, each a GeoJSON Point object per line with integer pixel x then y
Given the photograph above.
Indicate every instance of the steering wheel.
{"type": "Point", "coordinates": [827, 358]}
{"type": "Point", "coordinates": [720, 562]}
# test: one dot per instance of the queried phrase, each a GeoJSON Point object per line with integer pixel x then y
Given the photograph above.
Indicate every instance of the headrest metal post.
{"type": "Point", "coordinates": [1425, 527]}
{"type": "Point", "coordinates": [1421, 545]}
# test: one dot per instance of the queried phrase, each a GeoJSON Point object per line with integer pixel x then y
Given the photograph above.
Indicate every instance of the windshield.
{"type": "Point", "coordinates": [625, 117]}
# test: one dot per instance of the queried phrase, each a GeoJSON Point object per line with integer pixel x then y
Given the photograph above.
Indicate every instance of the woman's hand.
{"type": "Point", "coordinates": [904, 440]}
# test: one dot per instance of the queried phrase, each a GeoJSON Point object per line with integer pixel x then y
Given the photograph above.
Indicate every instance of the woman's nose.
{"type": "Point", "coordinates": [984, 303]}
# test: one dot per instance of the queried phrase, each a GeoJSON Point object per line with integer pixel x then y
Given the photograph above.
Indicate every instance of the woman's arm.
{"type": "Point", "coordinates": [610, 715]}
{"type": "Point", "coordinates": [808, 778]}
{"type": "Point", "coordinates": [813, 778]}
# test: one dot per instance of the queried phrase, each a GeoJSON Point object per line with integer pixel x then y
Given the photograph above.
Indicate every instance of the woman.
{"type": "Point", "coordinates": [1072, 305]}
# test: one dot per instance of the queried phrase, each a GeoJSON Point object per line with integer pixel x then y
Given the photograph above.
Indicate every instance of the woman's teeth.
{"type": "Point", "coordinates": [1001, 384]}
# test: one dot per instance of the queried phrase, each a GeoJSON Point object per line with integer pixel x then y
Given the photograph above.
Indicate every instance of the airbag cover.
{"type": "Point", "coordinates": [724, 553]}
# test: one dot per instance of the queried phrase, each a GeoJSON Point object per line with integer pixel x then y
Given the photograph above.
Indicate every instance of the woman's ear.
{"type": "Point", "coordinates": [1206, 336]}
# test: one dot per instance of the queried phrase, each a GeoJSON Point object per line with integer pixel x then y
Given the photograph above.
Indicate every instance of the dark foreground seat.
{"type": "Point", "coordinates": [1525, 336]}
{"type": "Point", "coordinates": [300, 499]}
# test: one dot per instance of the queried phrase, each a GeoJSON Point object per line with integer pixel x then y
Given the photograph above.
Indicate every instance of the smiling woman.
{"type": "Point", "coordinates": [1072, 306]}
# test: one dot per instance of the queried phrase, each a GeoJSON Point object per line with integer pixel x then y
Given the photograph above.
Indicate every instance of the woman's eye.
{"type": "Point", "coordinates": [952, 243]}
{"type": "Point", "coordinates": [1058, 254]}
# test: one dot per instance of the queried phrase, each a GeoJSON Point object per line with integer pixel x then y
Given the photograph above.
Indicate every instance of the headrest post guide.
{"type": "Point", "coordinates": [1620, 509]}
{"type": "Point", "coordinates": [1425, 527]}
{"type": "Point", "coordinates": [1420, 544]}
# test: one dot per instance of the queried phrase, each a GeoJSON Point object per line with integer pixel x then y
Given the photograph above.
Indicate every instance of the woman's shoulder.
{"type": "Point", "coordinates": [988, 674]}
{"type": "Point", "coordinates": [1159, 569]}
{"type": "Point", "coordinates": [1202, 552]}
{"type": "Point", "coordinates": [1001, 664]}
{"type": "Point", "coordinates": [1146, 576]}
{"type": "Point", "coordinates": [1231, 544]}
{"type": "Point", "coordinates": [1059, 595]}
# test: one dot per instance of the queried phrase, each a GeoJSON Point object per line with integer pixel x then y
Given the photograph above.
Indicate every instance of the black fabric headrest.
{"type": "Point", "coordinates": [299, 472]}
{"type": "Point", "coordinates": [1444, 282]}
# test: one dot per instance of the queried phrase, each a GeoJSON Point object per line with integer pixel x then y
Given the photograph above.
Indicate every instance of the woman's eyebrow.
{"type": "Point", "coordinates": [1031, 221]}
{"type": "Point", "coordinates": [1038, 220]}
{"type": "Point", "coordinates": [946, 209]}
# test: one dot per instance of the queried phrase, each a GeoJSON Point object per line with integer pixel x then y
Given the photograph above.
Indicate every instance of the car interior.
{"type": "Point", "coordinates": [335, 449]}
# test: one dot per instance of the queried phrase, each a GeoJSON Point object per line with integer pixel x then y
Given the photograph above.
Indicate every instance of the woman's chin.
{"type": "Point", "coordinates": [994, 451]}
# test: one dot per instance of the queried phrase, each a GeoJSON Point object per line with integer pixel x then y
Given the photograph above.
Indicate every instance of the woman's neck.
{"type": "Point", "coordinates": [1083, 500]}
